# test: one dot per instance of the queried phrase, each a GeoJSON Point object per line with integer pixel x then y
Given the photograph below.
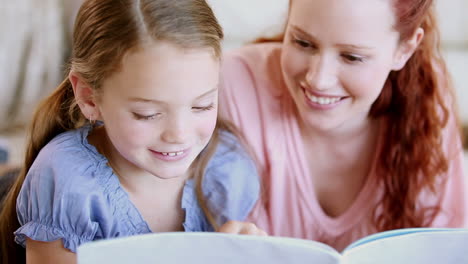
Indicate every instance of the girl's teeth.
{"type": "Point", "coordinates": [172, 154]}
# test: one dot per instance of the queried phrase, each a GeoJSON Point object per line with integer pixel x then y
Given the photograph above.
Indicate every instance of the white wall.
{"type": "Point", "coordinates": [454, 30]}
{"type": "Point", "coordinates": [457, 61]}
{"type": "Point", "coordinates": [453, 22]}
{"type": "Point", "coordinates": [245, 20]}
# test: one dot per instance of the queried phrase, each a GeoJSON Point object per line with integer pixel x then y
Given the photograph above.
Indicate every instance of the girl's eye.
{"type": "Point", "coordinates": [146, 117]}
{"type": "Point", "coordinates": [203, 108]}
{"type": "Point", "coordinates": [353, 58]}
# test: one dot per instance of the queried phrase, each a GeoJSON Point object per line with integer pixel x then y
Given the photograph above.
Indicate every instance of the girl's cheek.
{"type": "Point", "coordinates": [207, 125]}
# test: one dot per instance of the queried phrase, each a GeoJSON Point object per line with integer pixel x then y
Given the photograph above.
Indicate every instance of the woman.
{"type": "Point", "coordinates": [352, 119]}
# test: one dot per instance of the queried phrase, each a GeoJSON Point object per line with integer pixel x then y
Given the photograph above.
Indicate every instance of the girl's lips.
{"type": "Point", "coordinates": [171, 156]}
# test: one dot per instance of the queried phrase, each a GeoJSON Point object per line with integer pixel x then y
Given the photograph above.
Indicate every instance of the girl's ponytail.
{"type": "Point", "coordinates": [56, 114]}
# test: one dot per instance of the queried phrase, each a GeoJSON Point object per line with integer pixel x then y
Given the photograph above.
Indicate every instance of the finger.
{"type": "Point", "coordinates": [262, 233]}
{"type": "Point", "coordinates": [249, 229]}
{"type": "Point", "coordinates": [252, 229]}
{"type": "Point", "coordinates": [231, 227]}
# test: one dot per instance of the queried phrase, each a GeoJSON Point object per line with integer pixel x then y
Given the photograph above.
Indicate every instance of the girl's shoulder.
{"type": "Point", "coordinates": [71, 146]}
{"type": "Point", "coordinates": [71, 194]}
{"type": "Point", "coordinates": [229, 150]}
{"type": "Point", "coordinates": [231, 182]}
{"type": "Point", "coordinates": [67, 162]}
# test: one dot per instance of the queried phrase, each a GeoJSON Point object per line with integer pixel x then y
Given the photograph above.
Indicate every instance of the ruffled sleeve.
{"type": "Point", "coordinates": [57, 198]}
{"type": "Point", "coordinates": [231, 183]}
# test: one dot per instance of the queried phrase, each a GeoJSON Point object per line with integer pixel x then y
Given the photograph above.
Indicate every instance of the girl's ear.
{"type": "Point", "coordinates": [85, 97]}
{"type": "Point", "coordinates": [406, 49]}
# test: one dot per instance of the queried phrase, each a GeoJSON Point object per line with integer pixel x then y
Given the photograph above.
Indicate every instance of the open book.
{"type": "Point", "coordinates": [412, 246]}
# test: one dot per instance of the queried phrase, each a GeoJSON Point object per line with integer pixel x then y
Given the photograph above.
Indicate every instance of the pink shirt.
{"type": "Point", "coordinates": [254, 97]}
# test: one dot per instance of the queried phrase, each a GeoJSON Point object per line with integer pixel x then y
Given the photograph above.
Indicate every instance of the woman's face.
{"type": "Point", "coordinates": [336, 57]}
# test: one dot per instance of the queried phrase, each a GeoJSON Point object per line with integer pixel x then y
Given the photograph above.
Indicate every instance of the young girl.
{"type": "Point", "coordinates": [352, 119]}
{"type": "Point", "coordinates": [122, 144]}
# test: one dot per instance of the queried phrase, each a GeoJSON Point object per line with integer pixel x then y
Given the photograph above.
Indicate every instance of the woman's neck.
{"type": "Point", "coordinates": [342, 149]}
{"type": "Point", "coordinates": [339, 162]}
{"type": "Point", "coordinates": [343, 135]}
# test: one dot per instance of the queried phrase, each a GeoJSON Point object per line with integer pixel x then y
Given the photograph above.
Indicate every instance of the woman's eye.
{"type": "Point", "coordinates": [203, 108]}
{"type": "Point", "coordinates": [302, 43]}
{"type": "Point", "coordinates": [353, 58]}
{"type": "Point", "coordinates": [146, 117]}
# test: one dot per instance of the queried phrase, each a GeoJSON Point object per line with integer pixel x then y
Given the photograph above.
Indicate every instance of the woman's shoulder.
{"type": "Point", "coordinates": [258, 59]}
{"type": "Point", "coordinates": [253, 94]}
{"type": "Point", "coordinates": [255, 52]}
{"type": "Point", "coordinates": [251, 74]}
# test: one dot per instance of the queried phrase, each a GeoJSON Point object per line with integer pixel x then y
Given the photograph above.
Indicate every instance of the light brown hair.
{"type": "Point", "coordinates": [105, 30]}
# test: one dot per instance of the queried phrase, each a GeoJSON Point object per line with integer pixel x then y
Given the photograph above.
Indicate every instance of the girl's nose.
{"type": "Point", "coordinates": [175, 131]}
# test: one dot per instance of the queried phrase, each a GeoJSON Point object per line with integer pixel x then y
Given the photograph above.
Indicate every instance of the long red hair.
{"type": "Point", "coordinates": [414, 103]}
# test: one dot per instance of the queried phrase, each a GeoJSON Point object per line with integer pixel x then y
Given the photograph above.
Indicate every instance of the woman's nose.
{"type": "Point", "coordinates": [322, 73]}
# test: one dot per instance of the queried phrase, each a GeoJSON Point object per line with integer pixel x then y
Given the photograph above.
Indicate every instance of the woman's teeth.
{"type": "Point", "coordinates": [322, 100]}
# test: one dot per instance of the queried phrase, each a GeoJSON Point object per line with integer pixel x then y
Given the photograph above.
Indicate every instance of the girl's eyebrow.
{"type": "Point", "coordinates": [153, 101]}
{"type": "Point", "coordinates": [143, 100]}
{"type": "Point", "coordinates": [207, 93]}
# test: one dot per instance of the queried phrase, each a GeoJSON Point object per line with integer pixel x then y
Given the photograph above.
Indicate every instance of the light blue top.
{"type": "Point", "coordinates": [70, 193]}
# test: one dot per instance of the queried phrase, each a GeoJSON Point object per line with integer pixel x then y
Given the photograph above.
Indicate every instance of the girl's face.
{"type": "Point", "coordinates": [336, 57]}
{"type": "Point", "coordinates": [160, 110]}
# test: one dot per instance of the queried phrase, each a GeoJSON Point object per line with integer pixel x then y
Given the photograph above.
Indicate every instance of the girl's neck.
{"type": "Point", "coordinates": [157, 200]}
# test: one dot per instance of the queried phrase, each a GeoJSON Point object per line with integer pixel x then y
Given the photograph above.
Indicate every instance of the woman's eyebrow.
{"type": "Point", "coordinates": [312, 37]}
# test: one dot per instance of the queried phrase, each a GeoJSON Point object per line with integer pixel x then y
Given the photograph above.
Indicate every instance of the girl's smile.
{"type": "Point", "coordinates": [171, 156]}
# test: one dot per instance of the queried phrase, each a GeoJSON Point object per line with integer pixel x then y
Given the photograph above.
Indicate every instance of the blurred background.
{"type": "Point", "coordinates": [35, 38]}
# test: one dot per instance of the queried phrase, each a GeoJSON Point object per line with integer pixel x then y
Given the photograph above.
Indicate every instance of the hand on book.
{"type": "Point", "coordinates": [241, 228]}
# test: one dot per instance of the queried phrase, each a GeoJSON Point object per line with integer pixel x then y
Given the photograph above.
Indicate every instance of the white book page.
{"type": "Point", "coordinates": [447, 247]}
{"type": "Point", "coordinates": [206, 248]}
